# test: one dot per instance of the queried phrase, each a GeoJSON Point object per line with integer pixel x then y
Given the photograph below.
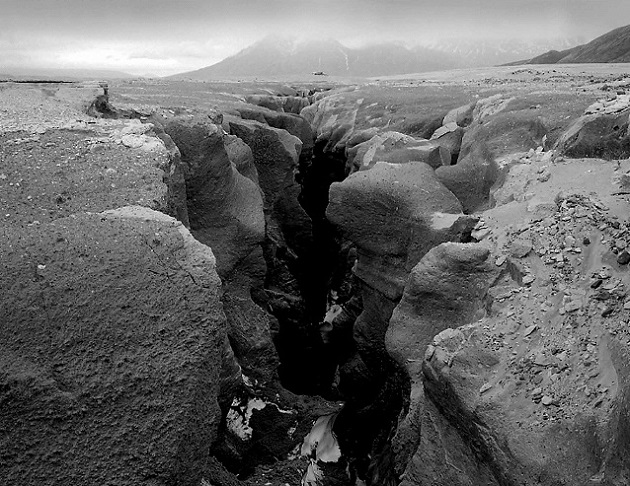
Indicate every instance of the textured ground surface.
{"type": "Point", "coordinates": [86, 295]}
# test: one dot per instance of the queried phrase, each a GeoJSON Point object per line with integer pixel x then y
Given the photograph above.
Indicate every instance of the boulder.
{"type": "Point", "coordinates": [267, 101]}
{"type": "Point", "coordinates": [241, 156]}
{"type": "Point", "coordinates": [396, 148]}
{"type": "Point", "coordinates": [600, 135]}
{"type": "Point", "coordinates": [447, 288]}
{"type": "Point", "coordinates": [292, 123]}
{"type": "Point", "coordinates": [114, 352]}
{"type": "Point", "coordinates": [450, 137]}
{"type": "Point", "coordinates": [462, 116]}
{"type": "Point", "coordinates": [288, 104]}
{"type": "Point", "coordinates": [276, 153]}
{"type": "Point", "coordinates": [528, 383]}
{"type": "Point", "coordinates": [394, 214]}
{"type": "Point", "coordinates": [500, 128]}
{"type": "Point", "coordinates": [174, 178]}
{"type": "Point", "coordinates": [224, 206]}
{"type": "Point", "coordinates": [332, 111]}
{"type": "Point", "coordinates": [551, 433]}
{"type": "Point", "coordinates": [488, 107]}
{"type": "Point", "coordinates": [472, 178]}
{"type": "Point", "coordinates": [225, 210]}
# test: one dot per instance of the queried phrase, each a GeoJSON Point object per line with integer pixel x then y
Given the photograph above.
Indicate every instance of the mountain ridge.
{"type": "Point", "coordinates": [611, 47]}
{"type": "Point", "coordinates": [280, 56]}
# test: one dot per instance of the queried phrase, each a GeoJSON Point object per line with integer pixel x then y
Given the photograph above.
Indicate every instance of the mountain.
{"type": "Point", "coordinates": [494, 52]}
{"type": "Point", "coordinates": [276, 56]}
{"type": "Point", "coordinates": [611, 47]}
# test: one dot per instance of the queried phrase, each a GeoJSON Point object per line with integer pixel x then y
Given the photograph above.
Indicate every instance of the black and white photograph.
{"type": "Point", "coordinates": [314, 243]}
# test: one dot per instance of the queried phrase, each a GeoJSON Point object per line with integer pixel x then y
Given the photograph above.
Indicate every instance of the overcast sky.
{"type": "Point", "coordinates": [169, 36]}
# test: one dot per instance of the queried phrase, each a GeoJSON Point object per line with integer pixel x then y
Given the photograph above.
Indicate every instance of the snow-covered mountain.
{"type": "Point", "coordinates": [493, 52]}
{"type": "Point", "coordinates": [277, 56]}
{"type": "Point", "coordinates": [281, 56]}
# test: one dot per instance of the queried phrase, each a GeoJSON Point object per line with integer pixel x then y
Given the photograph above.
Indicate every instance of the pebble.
{"type": "Point", "coordinates": [520, 249]}
{"type": "Point", "coordinates": [530, 330]}
{"type": "Point", "coordinates": [623, 258]}
{"type": "Point", "coordinates": [596, 283]}
{"type": "Point", "coordinates": [480, 234]}
{"type": "Point", "coordinates": [573, 306]}
{"type": "Point", "coordinates": [611, 285]}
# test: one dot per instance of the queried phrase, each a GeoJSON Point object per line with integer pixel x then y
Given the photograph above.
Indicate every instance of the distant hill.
{"type": "Point", "coordinates": [276, 56]}
{"type": "Point", "coordinates": [46, 74]}
{"type": "Point", "coordinates": [494, 52]}
{"type": "Point", "coordinates": [611, 47]}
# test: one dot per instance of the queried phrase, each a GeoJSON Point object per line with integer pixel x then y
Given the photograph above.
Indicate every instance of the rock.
{"type": "Point", "coordinates": [225, 210]}
{"type": "Point", "coordinates": [597, 135]}
{"type": "Point", "coordinates": [596, 283]}
{"type": "Point", "coordinates": [394, 214]}
{"type": "Point", "coordinates": [396, 148]}
{"type": "Point", "coordinates": [292, 123]}
{"type": "Point", "coordinates": [457, 273]}
{"type": "Point", "coordinates": [462, 116]}
{"type": "Point", "coordinates": [289, 104]}
{"type": "Point", "coordinates": [241, 156]}
{"type": "Point", "coordinates": [446, 288]}
{"type": "Point", "coordinates": [520, 248]}
{"type": "Point", "coordinates": [481, 233]}
{"type": "Point", "coordinates": [623, 258]}
{"type": "Point", "coordinates": [174, 179]}
{"type": "Point", "coordinates": [450, 137]}
{"type": "Point", "coordinates": [528, 279]}
{"type": "Point", "coordinates": [224, 207]}
{"type": "Point", "coordinates": [471, 179]}
{"type": "Point", "coordinates": [330, 112]}
{"type": "Point", "coordinates": [123, 329]}
{"type": "Point", "coordinates": [573, 306]}
{"type": "Point", "coordinates": [297, 281]}
{"type": "Point", "coordinates": [504, 126]}
{"type": "Point", "coordinates": [488, 107]}
{"type": "Point", "coordinates": [276, 154]}
{"type": "Point", "coordinates": [529, 330]}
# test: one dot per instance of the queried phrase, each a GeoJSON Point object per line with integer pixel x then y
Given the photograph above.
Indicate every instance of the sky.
{"type": "Point", "coordinates": [163, 37]}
